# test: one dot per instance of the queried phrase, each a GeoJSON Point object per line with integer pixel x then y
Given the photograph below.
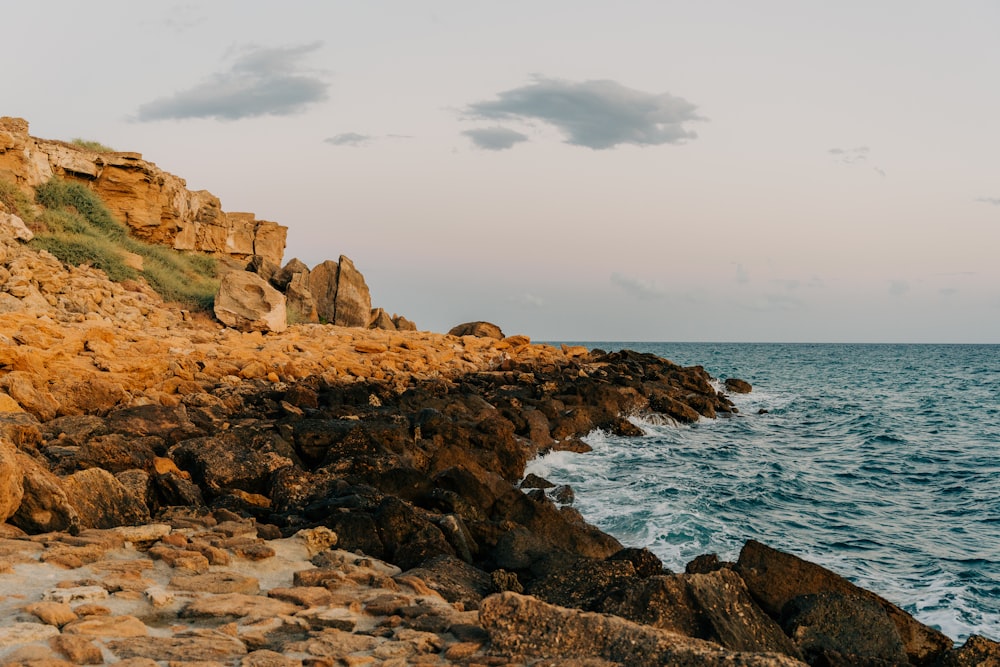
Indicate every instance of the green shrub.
{"type": "Point", "coordinates": [13, 200]}
{"type": "Point", "coordinates": [79, 229]}
{"type": "Point", "coordinates": [77, 249]}
{"type": "Point", "coordinates": [89, 145]}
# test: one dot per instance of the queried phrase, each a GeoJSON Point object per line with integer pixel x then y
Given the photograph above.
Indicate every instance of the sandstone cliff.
{"type": "Point", "coordinates": [156, 205]}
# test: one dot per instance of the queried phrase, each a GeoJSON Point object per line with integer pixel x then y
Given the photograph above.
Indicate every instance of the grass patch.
{"type": "Point", "coordinates": [13, 200]}
{"type": "Point", "coordinates": [78, 228]}
{"type": "Point", "coordinates": [89, 145]}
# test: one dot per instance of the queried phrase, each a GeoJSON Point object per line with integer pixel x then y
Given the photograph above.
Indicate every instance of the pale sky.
{"type": "Point", "coordinates": [675, 171]}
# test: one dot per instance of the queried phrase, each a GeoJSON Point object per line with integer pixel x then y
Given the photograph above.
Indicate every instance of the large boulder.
{"type": "Point", "coordinates": [299, 300]}
{"type": "Point", "coordinates": [283, 276]}
{"type": "Point", "coordinates": [775, 579]}
{"type": "Point", "coordinates": [248, 302]}
{"type": "Point", "coordinates": [353, 300]}
{"type": "Point", "coordinates": [45, 507]}
{"type": "Point", "coordinates": [479, 329]}
{"type": "Point", "coordinates": [525, 628]}
{"type": "Point", "coordinates": [101, 501]}
{"type": "Point", "coordinates": [323, 287]}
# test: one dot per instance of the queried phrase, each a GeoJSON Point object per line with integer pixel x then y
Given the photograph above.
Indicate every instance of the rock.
{"type": "Point", "coordinates": [584, 584]}
{"type": "Point", "coordinates": [169, 422]}
{"type": "Point", "coordinates": [379, 319]}
{"type": "Point", "coordinates": [299, 300]}
{"type": "Point", "coordinates": [704, 564]}
{"type": "Point", "coordinates": [526, 628]}
{"type": "Point", "coordinates": [238, 605]}
{"type": "Point", "coordinates": [841, 629]}
{"type": "Point", "coordinates": [107, 626]}
{"type": "Point", "coordinates": [216, 583]}
{"type": "Point", "coordinates": [353, 301]}
{"type": "Point", "coordinates": [323, 287]}
{"type": "Point", "coordinates": [263, 267]}
{"type": "Point", "coordinates": [16, 634]}
{"type": "Point", "coordinates": [53, 613]}
{"type": "Point", "coordinates": [283, 277]}
{"type": "Point", "coordinates": [44, 506]}
{"type": "Point", "coordinates": [115, 453]}
{"type": "Point", "coordinates": [242, 458]}
{"type": "Point", "coordinates": [196, 645]}
{"type": "Point", "coordinates": [11, 480]}
{"type": "Point", "coordinates": [479, 329]}
{"type": "Point", "coordinates": [738, 386]}
{"type": "Point", "coordinates": [454, 579]}
{"type": "Point", "coordinates": [248, 303]}
{"type": "Point", "coordinates": [775, 578]}
{"type": "Point", "coordinates": [978, 651]}
{"type": "Point", "coordinates": [11, 226]}
{"type": "Point", "coordinates": [79, 650]}
{"type": "Point", "coordinates": [101, 501]}
{"type": "Point", "coordinates": [403, 324]}
{"type": "Point", "coordinates": [645, 562]}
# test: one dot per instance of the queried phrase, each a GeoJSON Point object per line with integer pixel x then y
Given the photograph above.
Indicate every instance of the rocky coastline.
{"type": "Point", "coordinates": [177, 492]}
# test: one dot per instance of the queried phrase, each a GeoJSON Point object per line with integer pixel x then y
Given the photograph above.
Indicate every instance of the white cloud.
{"type": "Point", "coordinates": [596, 114]}
{"type": "Point", "coordinates": [261, 82]}
{"type": "Point", "coordinates": [349, 139]}
{"type": "Point", "coordinates": [989, 200]}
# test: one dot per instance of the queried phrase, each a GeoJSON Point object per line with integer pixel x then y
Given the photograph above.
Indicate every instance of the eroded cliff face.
{"type": "Point", "coordinates": [156, 205]}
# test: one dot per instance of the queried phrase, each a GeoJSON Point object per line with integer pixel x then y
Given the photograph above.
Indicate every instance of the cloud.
{"type": "Point", "coordinates": [989, 200]}
{"type": "Point", "coordinates": [898, 287]}
{"type": "Point", "coordinates": [596, 114]}
{"type": "Point", "coordinates": [527, 300]}
{"type": "Point", "coordinates": [495, 138]}
{"type": "Point", "coordinates": [637, 287]}
{"type": "Point", "coordinates": [261, 82]}
{"type": "Point", "coordinates": [742, 275]}
{"type": "Point", "coordinates": [850, 155]}
{"type": "Point", "coordinates": [349, 139]}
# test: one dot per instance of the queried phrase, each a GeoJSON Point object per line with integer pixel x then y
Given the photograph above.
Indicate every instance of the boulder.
{"type": "Point", "coordinates": [353, 300]}
{"type": "Point", "coordinates": [841, 629]}
{"type": "Point", "coordinates": [403, 324]}
{"type": "Point", "coordinates": [263, 267]}
{"type": "Point", "coordinates": [247, 302]}
{"type": "Point", "coordinates": [525, 628]}
{"type": "Point", "coordinates": [775, 578]}
{"type": "Point", "coordinates": [101, 501]}
{"type": "Point", "coordinates": [479, 329]}
{"type": "Point", "coordinates": [45, 506]}
{"type": "Point", "coordinates": [454, 579]}
{"type": "Point", "coordinates": [283, 276]}
{"type": "Point", "coordinates": [11, 226]}
{"type": "Point", "coordinates": [380, 319]}
{"type": "Point", "coordinates": [978, 651]}
{"type": "Point", "coordinates": [11, 480]}
{"type": "Point", "coordinates": [738, 386]}
{"type": "Point", "coordinates": [299, 300]}
{"type": "Point", "coordinates": [323, 287]}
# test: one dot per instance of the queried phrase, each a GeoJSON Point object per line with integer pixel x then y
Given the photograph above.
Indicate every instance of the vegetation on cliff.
{"type": "Point", "coordinates": [90, 145]}
{"type": "Point", "coordinates": [75, 225]}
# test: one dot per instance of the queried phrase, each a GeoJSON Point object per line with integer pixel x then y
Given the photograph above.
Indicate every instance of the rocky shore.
{"type": "Point", "coordinates": [174, 492]}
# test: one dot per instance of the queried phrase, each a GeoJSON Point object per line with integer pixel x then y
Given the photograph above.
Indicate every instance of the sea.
{"type": "Point", "coordinates": [879, 462]}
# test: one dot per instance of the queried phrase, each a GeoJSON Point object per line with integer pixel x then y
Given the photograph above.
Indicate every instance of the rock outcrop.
{"type": "Point", "coordinates": [156, 205]}
{"type": "Point", "coordinates": [248, 303]}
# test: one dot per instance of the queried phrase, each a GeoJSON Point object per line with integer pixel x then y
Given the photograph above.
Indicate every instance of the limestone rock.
{"type": "Point", "coordinates": [101, 501]}
{"type": "Point", "coordinates": [248, 303]}
{"type": "Point", "coordinates": [524, 627]}
{"type": "Point", "coordinates": [11, 480]}
{"type": "Point", "coordinates": [478, 329]}
{"type": "Point", "coordinates": [379, 319]}
{"type": "Point", "coordinates": [196, 645]}
{"type": "Point", "coordinates": [403, 324]}
{"type": "Point", "coordinates": [353, 300]}
{"type": "Point", "coordinates": [299, 300]}
{"type": "Point", "coordinates": [263, 267]}
{"type": "Point", "coordinates": [11, 226]}
{"type": "Point", "coordinates": [44, 506]}
{"type": "Point", "coordinates": [284, 275]}
{"type": "Point", "coordinates": [323, 287]}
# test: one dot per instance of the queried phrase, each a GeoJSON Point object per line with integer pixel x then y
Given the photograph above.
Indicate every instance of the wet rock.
{"type": "Point", "coordinates": [842, 629]}
{"type": "Point", "coordinates": [738, 386]}
{"type": "Point", "coordinates": [704, 564]}
{"type": "Point", "coordinates": [645, 562]}
{"type": "Point", "coordinates": [584, 583]}
{"type": "Point", "coordinates": [241, 458]}
{"type": "Point", "coordinates": [775, 578]}
{"type": "Point", "coordinates": [978, 651]}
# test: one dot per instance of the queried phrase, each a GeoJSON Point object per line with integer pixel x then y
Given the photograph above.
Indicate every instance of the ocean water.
{"type": "Point", "coordinates": [880, 462]}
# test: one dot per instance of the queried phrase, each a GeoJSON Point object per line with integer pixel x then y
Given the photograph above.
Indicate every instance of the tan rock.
{"type": "Point", "coordinates": [11, 480]}
{"type": "Point", "coordinates": [24, 633]}
{"type": "Point", "coordinates": [353, 301]}
{"type": "Point", "coordinates": [196, 645]}
{"type": "Point", "coordinates": [216, 582]}
{"type": "Point", "coordinates": [107, 626]}
{"type": "Point", "coordinates": [238, 605]}
{"type": "Point", "coordinates": [79, 650]}
{"type": "Point", "coordinates": [52, 613]}
{"type": "Point", "coordinates": [248, 303]}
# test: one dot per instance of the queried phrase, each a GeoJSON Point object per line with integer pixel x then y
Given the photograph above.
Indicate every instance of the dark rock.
{"type": "Point", "coordinates": [242, 458]}
{"type": "Point", "coordinates": [502, 581]}
{"type": "Point", "coordinates": [478, 329]}
{"type": "Point", "coordinates": [101, 501]}
{"type": "Point", "coordinates": [645, 562]}
{"type": "Point", "coordinates": [409, 538]}
{"type": "Point", "coordinates": [738, 386]}
{"type": "Point", "coordinates": [842, 629]}
{"type": "Point", "coordinates": [977, 651]}
{"type": "Point", "coordinates": [115, 453]}
{"type": "Point", "coordinates": [584, 584]}
{"type": "Point", "coordinates": [704, 564]}
{"type": "Point", "coordinates": [533, 481]}
{"type": "Point", "coordinates": [356, 531]}
{"type": "Point", "coordinates": [663, 402]}
{"type": "Point", "coordinates": [403, 324]}
{"type": "Point", "coordinates": [139, 485]}
{"type": "Point", "coordinates": [563, 494]}
{"type": "Point", "coordinates": [44, 506]}
{"type": "Point", "coordinates": [455, 580]}
{"type": "Point", "coordinates": [574, 445]}
{"type": "Point", "coordinates": [294, 267]}
{"type": "Point", "coordinates": [659, 601]}
{"type": "Point", "coordinates": [74, 429]}
{"type": "Point", "coordinates": [774, 578]}
{"type": "Point", "coordinates": [168, 422]}
{"type": "Point", "coordinates": [379, 319]}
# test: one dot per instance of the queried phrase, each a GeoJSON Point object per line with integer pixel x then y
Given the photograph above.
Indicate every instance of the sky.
{"type": "Point", "coordinates": [780, 170]}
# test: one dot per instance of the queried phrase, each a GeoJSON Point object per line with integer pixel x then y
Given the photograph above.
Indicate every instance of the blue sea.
{"type": "Point", "coordinates": [880, 462]}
